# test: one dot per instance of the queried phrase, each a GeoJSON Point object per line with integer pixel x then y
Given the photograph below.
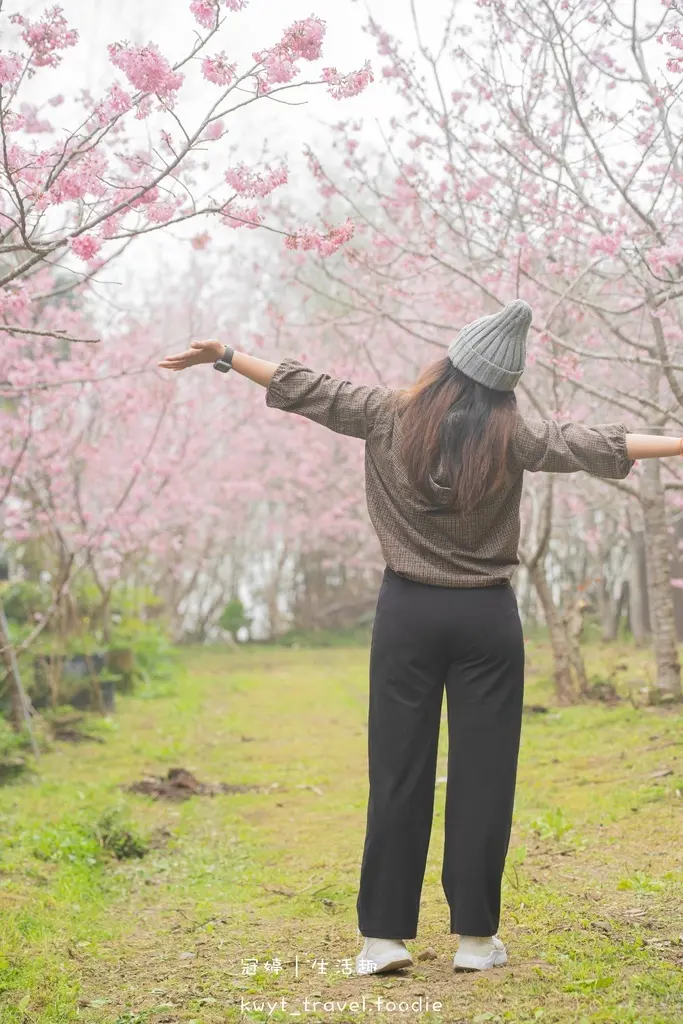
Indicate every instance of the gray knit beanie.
{"type": "Point", "coordinates": [492, 349]}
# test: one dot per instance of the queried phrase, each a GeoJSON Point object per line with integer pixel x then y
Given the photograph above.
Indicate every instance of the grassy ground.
{"type": "Point", "coordinates": [265, 881]}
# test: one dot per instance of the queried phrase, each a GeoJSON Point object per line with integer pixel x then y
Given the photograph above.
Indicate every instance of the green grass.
{"type": "Point", "coordinates": [592, 893]}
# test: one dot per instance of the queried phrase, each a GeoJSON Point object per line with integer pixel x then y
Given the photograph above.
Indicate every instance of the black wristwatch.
{"type": "Point", "coordinates": [224, 362]}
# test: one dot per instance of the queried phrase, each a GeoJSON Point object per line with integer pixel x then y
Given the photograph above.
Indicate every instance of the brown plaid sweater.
{"type": "Point", "coordinates": [428, 541]}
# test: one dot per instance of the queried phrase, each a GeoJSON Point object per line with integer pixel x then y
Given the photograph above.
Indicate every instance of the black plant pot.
{"type": "Point", "coordinates": [77, 668]}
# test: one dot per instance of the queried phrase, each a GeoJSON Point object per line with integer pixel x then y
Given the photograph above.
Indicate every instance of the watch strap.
{"type": "Point", "coordinates": [224, 362]}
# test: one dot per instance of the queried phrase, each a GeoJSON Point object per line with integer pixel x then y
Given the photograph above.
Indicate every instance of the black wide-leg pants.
{"type": "Point", "coordinates": [469, 642]}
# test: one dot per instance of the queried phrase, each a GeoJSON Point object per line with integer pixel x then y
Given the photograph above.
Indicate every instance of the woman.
{"type": "Point", "coordinates": [444, 464]}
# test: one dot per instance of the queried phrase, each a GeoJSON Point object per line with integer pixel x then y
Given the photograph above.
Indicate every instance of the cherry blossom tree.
{"type": "Point", "coordinates": [87, 468]}
{"type": "Point", "coordinates": [82, 185]}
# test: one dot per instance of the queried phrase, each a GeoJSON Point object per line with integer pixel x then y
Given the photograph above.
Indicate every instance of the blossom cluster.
{"type": "Point", "coordinates": [242, 216]}
{"type": "Point", "coordinates": [301, 41]}
{"type": "Point", "coordinates": [342, 87]}
{"type": "Point", "coordinates": [218, 69]}
{"type": "Point", "coordinates": [146, 69]}
{"type": "Point", "coordinates": [116, 102]}
{"type": "Point", "coordinates": [254, 184]}
{"type": "Point", "coordinates": [46, 36]}
{"type": "Point", "coordinates": [206, 11]}
{"type": "Point", "coordinates": [325, 244]}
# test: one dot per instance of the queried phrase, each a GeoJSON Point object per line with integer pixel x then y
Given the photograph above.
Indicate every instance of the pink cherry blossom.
{"type": "Point", "coordinates": [325, 244]}
{"type": "Point", "coordinates": [150, 195]}
{"type": "Point", "coordinates": [278, 70]}
{"type": "Point", "coordinates": [200, 241]}
{"type": "Point", "coordinates": [80, 178]}
{"type": "Point", "coordinates": [214, 130]}
{"type": "Point", "coordinates": [343, 86]}
{"type": "Point", "coordinates": [112, 225]}
{"type": "Point", "coordinates": [205, 12]}
{"type": "Point", "coordinates": [218, 69]}
{"type": "Point", "coordinates": [45, 37]}
{"type": "Point", "coordinates": [663, 257]}
{"type": "Point", "coordinates": [146, 69]}
{"type": "Point", "coordinates": [143, 108]}
{"type": "Point", "coordinates": [251, 183]}
{"type": "Point", "coordinates": [301, 41]}
{"type": "Point", "coordinates": [610, 245]}
{"type": "Point", "coordinates": [10, 68]}
{"type": "Point", "coordinates": [86, 246]}
{"type": "Point", "coordinates": [15, 301]}
{"type": "Point", "coordinates": [241, 216]}
{"type": "Point", "coordinates": [304, 39]}
{"type": "Point", "coordinates": [14, 122]}
{"type": "Point", "coordinates": [34, 124]}
{"type": "Point", "coordinates": [117, 102]}
{"type": "Point", "coordinates": [674, 37]}
{"type": "Point", "coordinates": [161, 213]}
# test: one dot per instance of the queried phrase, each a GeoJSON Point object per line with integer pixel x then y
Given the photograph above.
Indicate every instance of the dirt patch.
{"type": "Point", "coordinates": [180, 784]}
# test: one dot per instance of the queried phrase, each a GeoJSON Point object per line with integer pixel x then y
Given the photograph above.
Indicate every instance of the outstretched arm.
{"type": "Point", "coordinates": [652, 446]}
{"type": "Point", "coordinates": [346, 408]}
{"type": "Point", "coordinates": [606, 450]}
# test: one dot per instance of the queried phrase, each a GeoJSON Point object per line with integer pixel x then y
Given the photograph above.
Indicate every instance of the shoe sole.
{"type": "Point", "coordinates": [499, 960]}
{"type": "Point", "coordinates": [393, 965]}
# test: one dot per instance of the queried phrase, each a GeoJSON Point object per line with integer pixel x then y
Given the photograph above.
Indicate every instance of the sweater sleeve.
{"type": "Point", "coordinates": [346, 408]}
{"type": "Point", "coordinates": [565, 447]}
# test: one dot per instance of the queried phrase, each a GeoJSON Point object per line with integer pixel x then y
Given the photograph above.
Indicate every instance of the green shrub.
{"type": "Point", "coordinates": [66, 841]}
{"type": "Point", "coordinates": [153, 656]}
{"type": "Point", "coordinates": [552, 825]}
{"type": "Point", "coordinates": [234, 617]}
{"type": "Point", "coordinates": [13, 748]}
{"type": "Point", "coordinates": [116, 836]}
{"type": "Point", "coordinates": [87, 841]}
{"type": "Point", "coordinates": [24, 600]}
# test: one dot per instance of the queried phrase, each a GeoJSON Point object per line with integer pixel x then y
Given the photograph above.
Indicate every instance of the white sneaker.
{"type": "Point", "coordinates": [479, 954]}
{"type": "Point", "coordinates": [380, 955]}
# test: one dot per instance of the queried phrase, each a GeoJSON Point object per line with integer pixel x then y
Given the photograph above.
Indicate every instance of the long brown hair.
{"type": "Point", "coordinates": [458, 430]}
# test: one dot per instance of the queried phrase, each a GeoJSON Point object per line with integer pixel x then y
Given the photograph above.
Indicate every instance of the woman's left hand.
{"type": "Point", "coordinates": [198, 352]}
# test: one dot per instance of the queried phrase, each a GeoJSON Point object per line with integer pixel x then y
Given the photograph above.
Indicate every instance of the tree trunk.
{"type": "Point", "coordinates": [573, 623]}
{"type": "Point", "coordinates": [637, 593]}
{"type": "Point", "coordinates": [21, 707]}
{"type": "Point", "coordinates": [563, 656]}
{"type": "Point", "coordinates": [611, 610]}
{"type": "Point", "coordinates": [605, 609]}
{"type": "Point", "coordinates": [525, 602]}
{"type": "Point", "coordinates": [272, 593]}
{"type": "Point", "coordinates": [677, 573]}
{"type": "Point", "coordinates": [16, 703]}
{"type": "Point", "coordinates": [658, 555]}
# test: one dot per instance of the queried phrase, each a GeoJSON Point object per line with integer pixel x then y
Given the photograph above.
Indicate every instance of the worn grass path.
{"type": "Point", "coordinates": [266, 881]}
